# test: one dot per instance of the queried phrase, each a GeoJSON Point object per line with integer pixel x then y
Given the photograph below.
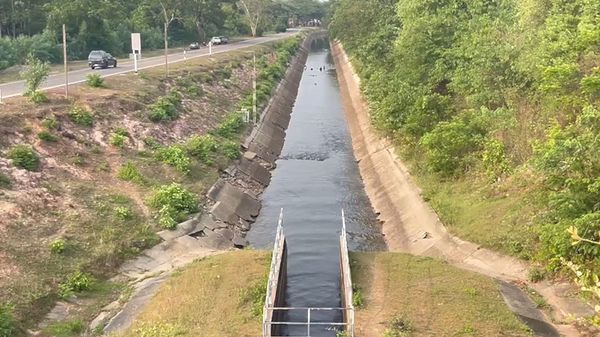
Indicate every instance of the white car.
{"type": "Point", "coordinates": [215, 40]}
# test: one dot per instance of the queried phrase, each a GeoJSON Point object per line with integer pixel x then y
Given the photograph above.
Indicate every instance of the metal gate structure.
{"type": "Point", "coordinates": [274, 309]}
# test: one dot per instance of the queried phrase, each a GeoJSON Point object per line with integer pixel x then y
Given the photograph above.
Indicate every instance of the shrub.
{"type": "Point", "coordinates": [75, 283]}
{"type": "Point", "coordinates": [66, 329]}
{"type": "Point", "coordinates": [7, 324]}
{"type": "Point", "coordinates": [128, 172]}
{"type": "Point", "coordinates": [165, 107]}
{"type": "Point", "coordinates": [175, 156]}
{"type": "Point", "coordinates": [230, 149]}
{"type": "Point", "coordinates": [151, 143]}
{"type": "Point", "coordinates": [536, 275]}
{"type": "Point", "coordinates": [94, 80]}
{"type": "Point", "coordinates": [57, 246]}
{"type": "Point", "coordinates": [50, 123]}
{"type": "Point", "coordinates": [494, 159]}
{"type": "Point", "coordinates": [117, 140]}
{"type": "Point", "coordinates": [230, 126]}
{"type": "Point", "coordinates": [24, 157]}
{"type": "Point", "coordinates": [399, 326]}
{"type": "Point", "coordinates": [357, 299]}
{"type": "Point", "coordinates": [123, 212]}
{"type": "Point", "coordinates": [34, 74]}
{"type": "Point", "coordinates": [202, 147]}
{"type": "Point", "coordinates": [449, 145]}
{"type": "Point", "coordinates": [81, 116]}
{"type": "Point", "coordinates": [47, 136]}
{"type": "Point", "coordinates": [173, 203]}
{"type": "Point", "coordinates": [5, 181]}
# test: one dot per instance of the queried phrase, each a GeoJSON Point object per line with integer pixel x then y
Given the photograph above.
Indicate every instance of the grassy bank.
{"type": "Point", "coordinates": [220, 296]}
{"type": "Point", "coordinates": [86, 182]}
{"type": "Point", "coordinates": [408, 296]}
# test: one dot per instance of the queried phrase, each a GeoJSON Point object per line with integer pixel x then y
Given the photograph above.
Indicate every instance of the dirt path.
{"type": "Point", "coordinates": [409, 224]}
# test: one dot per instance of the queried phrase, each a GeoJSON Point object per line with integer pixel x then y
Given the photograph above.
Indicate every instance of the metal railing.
{"type": "Point", "coordinates": [270, 308]}
{"type": "Point", "coordinates": [310, 322]}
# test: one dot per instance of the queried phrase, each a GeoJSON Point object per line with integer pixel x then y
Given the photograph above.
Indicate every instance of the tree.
{"type": "Point", "coordinates": [254, 11]}
{"type": "Point", "coordinates": [203, 13]}
{"type": "Point", "coordinates": [34, 74]}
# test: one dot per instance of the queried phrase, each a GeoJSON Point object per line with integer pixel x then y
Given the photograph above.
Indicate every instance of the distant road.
{"type": "Point", "coordinates": [77, 76]}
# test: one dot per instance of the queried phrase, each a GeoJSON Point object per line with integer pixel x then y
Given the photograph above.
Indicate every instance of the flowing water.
{"type": "Point", "coordinates": [316, 177]}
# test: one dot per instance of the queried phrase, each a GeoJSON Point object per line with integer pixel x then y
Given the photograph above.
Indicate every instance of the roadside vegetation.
{"type": "Point", "coordinates": [85, 183]}
{"type": "Point", "coordinates": [220, 294]}
{"type": "Point", "coordinates": [408, 296]}
{"type": "Point", "coordinates": [496, 107]}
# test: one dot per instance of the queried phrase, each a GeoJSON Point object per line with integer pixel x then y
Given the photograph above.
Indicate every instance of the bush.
{"type": "Point", "coordinates": [117, 140]}
{"type": "Point", "coordinates": [494, 159]}
{"type": "Point", "coordinates": [123, 212]}
{"type": "Point", "coordinates": [173, 203]}
{"type": "Point", "coordinates": [151, 143]}
{"type": "Point", "coordinates": [7, 324]}
{"type": "Point", "coordinates": [50, 123]}
{"type": "Point", "coordinates": [254, 295]}
{"type": "Point", "coordinates": [24, 157]}
{"type": "Point", "coordinates": [37, 97]}
{"type": "Point", "coordinates": [230, 126]}
{"type": "Point", "coordinates": [166, 107]}
{"type": "Point", "coordinates": [81, 116]}
{"type": "Point", "coordinates": [202, 147]}
{"type": "Point", "coordinates": [230, 149]}
{"type": "Point", "coordinates": [128, 172]}
{"type": "Point", "coordinates": [450, 145]}
{"type": "Point", "coordinates": [75, 283]}
{"type": "Point", "coordinates": [47, 136]}
{"type": "Point", "coordinates": [34, 74]}
{"type": "Point", "coordinates": [536, 275]}
{"type": "Point", "coordinates": [57, 246]}
{"type": "Point", "coordinates": [175, 156]}
{"type": "Point", "coordinates": [94, 81]}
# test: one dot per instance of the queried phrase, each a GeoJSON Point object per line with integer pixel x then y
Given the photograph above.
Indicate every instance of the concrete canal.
{"type": "Point", "coordinates": [316, 177]}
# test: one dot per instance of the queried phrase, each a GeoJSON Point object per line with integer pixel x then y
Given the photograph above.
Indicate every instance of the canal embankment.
{"type": "Point", "coordinates": [410, 225]}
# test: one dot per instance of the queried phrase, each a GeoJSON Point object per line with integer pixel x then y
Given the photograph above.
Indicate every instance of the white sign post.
{"type": "Point", "coordinates": [136, 47]}
{"type": "Point", "coordinates": [210, 48]}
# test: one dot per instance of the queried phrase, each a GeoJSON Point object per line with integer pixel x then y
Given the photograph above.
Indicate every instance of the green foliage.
{"type": "Point", "coordinates": [166, 107]}
{"type": "Point", "coordinates": [450, 145]}
{"type": "Point", "coordinates": [47, 136]}
{"type": "Point", "coordinates": [7, 323]}
{"type": "Point", "coordinates": [35, 72]}
{"type": "Point", "coordinates": [494, 159]}
{"type": "Point", "coordinates": [230, 126]}
{"type": "Point", "coordinates": [536, 275]}
{"type": "Point", "coordinates": [5, 181]}
{"type": "Point", "coordinates": [50, 123]}
{"type": "Point", "coordinates": [186, 85]}
{"type": "Point", "coordinates": [123, 212]}
{"type": "Point", "coordinates": [254, 295]}
{"type": "Point", "coordinates": [202, 147]}
{"type": "Point", "coordinates": [94, 81]}
{"type": "Point", "coordinates": [357, 299]}
{"type": "Point", "coordinates": [151, 143]}
{"type": "Point", "coordinates": [58, 246]}
{"type": "Point", "coordinates": [23, 156]}
{"type": "Point", "coordinates": [175, 156]}
{"type": "Point", "coordinates": [75, 283]}
{"type": "Point", "coordinates": [118, 140]}
{"type": "Point", "coordinates": [173, 203]}
{"type": "Point", "coordinates": [80, 116]}
{"type": "Point", "coordinates": [66, 329]}
{"type": "Point", "coordinates": [129, 172]}
{"type": "Point", "coordinates": [230, 149]}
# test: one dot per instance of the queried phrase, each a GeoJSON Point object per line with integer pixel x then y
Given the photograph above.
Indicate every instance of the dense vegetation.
{"type": "Point", "coordinates": [35, 27]}
{"type": "Point", "coordinates": [492, 90]}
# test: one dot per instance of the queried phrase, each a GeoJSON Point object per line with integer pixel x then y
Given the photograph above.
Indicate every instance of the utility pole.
{"type": "Point", "coordinates": [64, 31]}
{"type": "Point", "coordinates": [166, 50]}
{"type": "Point", "coordinates": [254, 115]}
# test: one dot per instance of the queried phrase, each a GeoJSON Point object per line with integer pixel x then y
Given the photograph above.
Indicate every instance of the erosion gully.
{"type": "Point", "coordinates": [316, 177]}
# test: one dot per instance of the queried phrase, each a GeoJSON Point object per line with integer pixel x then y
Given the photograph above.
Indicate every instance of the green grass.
{"type": "Point", "coordinates": [499, 217]}
{"type": "Point", "coordinates": [210, 298]}
{"type": "Point", "coordinates": [413, 296]}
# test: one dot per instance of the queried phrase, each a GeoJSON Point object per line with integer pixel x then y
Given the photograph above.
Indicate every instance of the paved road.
{"type": "Point", "coordinates": [77, 76]}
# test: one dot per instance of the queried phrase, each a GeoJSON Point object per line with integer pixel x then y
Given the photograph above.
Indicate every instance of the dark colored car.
{"type": "Point", "coordinates": [224, 39]}
{"type": "Point", "coordinates": [100, 58]}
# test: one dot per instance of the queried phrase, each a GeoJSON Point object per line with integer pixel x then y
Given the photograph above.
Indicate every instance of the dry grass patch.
{"type": "Point", "coordinates": [208, 299]}
{"type": "Point", "coordinates": [410, 296]}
